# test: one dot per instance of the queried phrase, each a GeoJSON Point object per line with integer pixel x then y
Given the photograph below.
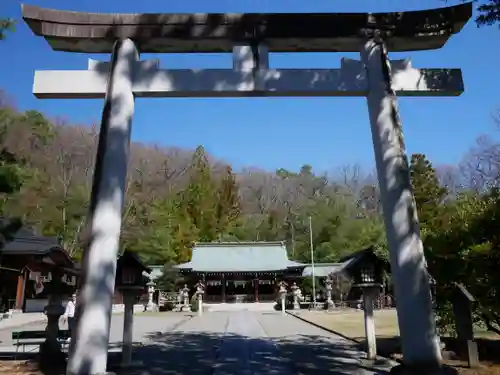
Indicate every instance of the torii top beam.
{"type": "Point", "coordinates": [215, 32]}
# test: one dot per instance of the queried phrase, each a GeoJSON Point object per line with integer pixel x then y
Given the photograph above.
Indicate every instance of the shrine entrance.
{"type": "Point", "coordinates": [250, 38]}
{"type": "Point", "coordinates": [239, 272]}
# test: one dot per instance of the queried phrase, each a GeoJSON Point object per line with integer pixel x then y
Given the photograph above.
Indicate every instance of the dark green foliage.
{"type": "Point", "coordinates": [429, 194]}
{"type": "Point", "coordinates": [169, 279]}
{"type": "Point", "coordinates": [6, 25]}
{"type": "Point", "coordinates": [489, 13]}
{"type": "Point", "coordinates": [45, 175]}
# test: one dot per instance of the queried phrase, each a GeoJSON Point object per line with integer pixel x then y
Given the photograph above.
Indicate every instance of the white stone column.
{"type": "Point", "coordinates": [411, 282]}
{"type": "Point", "coordinates": [128, 326]}
{"type": "Point", "coordinates": [371, 339]}
{"type": "Point", "coordinates": [200, 304]}
{"type": "Point", "coordinates": [89, 351]}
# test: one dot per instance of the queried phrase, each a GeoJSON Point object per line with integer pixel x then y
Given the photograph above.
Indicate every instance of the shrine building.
{"type": "Point", "coordinates": [240, 271]}
{"type": "Point", "coordinates": [27, 264]}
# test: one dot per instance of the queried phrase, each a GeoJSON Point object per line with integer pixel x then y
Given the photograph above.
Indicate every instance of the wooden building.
{"type": "Point", "coordinates": [240, 271]}
{"type": "Point", "coordinates": [27, 264]}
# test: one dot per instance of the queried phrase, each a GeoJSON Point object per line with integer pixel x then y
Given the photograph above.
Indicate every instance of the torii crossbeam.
{"type": "Point", "coordinates": [250, 37]}
{"type": "Point", "coordinates": [245, 80]}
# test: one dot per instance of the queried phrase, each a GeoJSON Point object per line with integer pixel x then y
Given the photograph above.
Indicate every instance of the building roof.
{"type": "Point", "coordinates": [346, 264]}
{"type": "Point", "coordinates": [239, 257]}
{"type": "Point", "coordinates": [219, 32]}
{"type": "Point", "coordinates": [131, 258]}
{"type": "Point", "coordinates": [322, 269]}
{"type": "Point", "coordinates": [25, 242]}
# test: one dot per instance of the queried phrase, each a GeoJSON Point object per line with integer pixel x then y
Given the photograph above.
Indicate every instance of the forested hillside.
{"type": "Point", "coordinates": [176, 197]}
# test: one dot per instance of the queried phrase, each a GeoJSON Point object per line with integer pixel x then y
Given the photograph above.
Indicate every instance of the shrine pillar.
{"type": "Point", "coordinates": [408, 265]}
{"type": "Point", "coordinates": [21, 289]}
{"type": "Point", "coordinates": [105, 216]}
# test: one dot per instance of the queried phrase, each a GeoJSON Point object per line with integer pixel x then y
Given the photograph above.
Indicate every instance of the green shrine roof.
{"type": "Point", "coordinates": [239, 257]}
{"type": "Point", "coordinates": [323, 269]}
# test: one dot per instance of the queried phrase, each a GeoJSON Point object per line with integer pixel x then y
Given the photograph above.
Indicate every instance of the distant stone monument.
{"type": "Point", "coordinates": [283, 292]}
{"type": "Point", "coordinates": [185, 297]}
{"type": "Point", "coordinates": [151, 306]}
{"type": "Point", "coordinates": [297, 294]}
{"type": "Point", "coordinates": [180, 300]}
{"type": "Point", "coordinates": [328, 287]}
{"type": "Point", "coordinates": [51, 356]}
{"type": "Point", "coordinates": [200, 290]}
{"type": "Point", "coordinates": [250, 37]}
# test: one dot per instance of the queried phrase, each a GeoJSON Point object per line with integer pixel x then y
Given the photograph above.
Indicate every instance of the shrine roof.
{"type": "Point", "coordinates": [220, 32]}
{"type": "Point", "coordinates": [25, 242]}
{"type": "Point", "coordinates": [345, 265]}
{"type": "Point", "coordinates": [131, 258]}
{"type": "Point", "coordinates": [322, 269]}
{"type": "Point", "coordinates": [239, 257]}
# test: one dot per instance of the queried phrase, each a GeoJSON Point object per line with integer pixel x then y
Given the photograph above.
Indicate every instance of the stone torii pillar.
{"type": "Point", "coordinates": [125, 77]}
{"type": "Point", "coordinates": [105, 217]}
{"type": "Point", "coordinates": [410, 277]}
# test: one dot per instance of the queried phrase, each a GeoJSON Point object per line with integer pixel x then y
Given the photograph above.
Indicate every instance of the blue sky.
{"type": "Point", "coordinates": [276, 132]}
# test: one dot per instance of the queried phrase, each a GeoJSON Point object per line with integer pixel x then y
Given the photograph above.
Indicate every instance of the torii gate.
{"type": "Point", "coordinates": [250, 37]}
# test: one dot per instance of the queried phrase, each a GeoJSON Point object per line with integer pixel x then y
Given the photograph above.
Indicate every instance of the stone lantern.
{"type": "Point", "coordinates": [50, 350]}
{"type": "Point", "coordinates": [151, 289]}
{"type": "Point", "coordinates": [328, 286]}
{"type": "Point", "coordinates": [368, 275]}
{"type": "Point", "coordinates": [283, 291]}
{"type": "Point", "coordinates": [130, 282]}
{"type": "Point", "coordinates": [200, 290]}
{"type": "Point", "coordinates": [296, 296]}
{"type": "Point", "coordinates": [185, 297]}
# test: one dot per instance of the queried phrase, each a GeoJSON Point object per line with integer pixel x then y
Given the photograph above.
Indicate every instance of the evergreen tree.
{"type": "Point", "coordinates": [228, 206]}
{"type": "Point", "coordinates": [489, 13]}
{"type": "Point", "coordinates": [199, 198]}
{"type": "Point", "coordinates": [6, 25]}
{"type": "Point", "coordinates": [429, 194]}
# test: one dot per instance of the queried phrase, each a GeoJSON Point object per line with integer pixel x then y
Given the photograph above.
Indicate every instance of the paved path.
{"type": "Point", "coordinates": [233, 343]}
{"type": "Point", "coordinates": [21, 319]}
{"type": "Point", "coordinates": [249, 343]}
{"type": "Point", "coordinates": [144, 327]}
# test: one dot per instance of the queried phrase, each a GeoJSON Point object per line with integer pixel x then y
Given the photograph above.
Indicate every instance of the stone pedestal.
{"type": "Point", "coordinates": [151, 306]}
{"type": "Point", "coordinates": [186, 305]}
{"type": "Point", "coordinates": [283, 293]}
{"type": "Point", "coordinates": [51, 355]}
{"type": "Point", "coordinates": [128, 325]}
{"type": "Point", "coordinates": [296, 303]}
{"type": "Point", "coordinates": [369, 294]}
{"type": "Point", "coordinates": [200, 291]}
{"type": "Point", "coordinates": [296, 295]}
{"type": "Point", "coordinates": [329, 301]}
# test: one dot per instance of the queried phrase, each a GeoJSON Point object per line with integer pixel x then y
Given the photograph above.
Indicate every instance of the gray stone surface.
{"type": "Point", "coordinates": [234, 343]}
{"type": "Point", "coordinates": [144, 327]}
{"type": "Point", "coordinates": [21, 319]}
{"type": "Point", "coordinates": [244, 342]}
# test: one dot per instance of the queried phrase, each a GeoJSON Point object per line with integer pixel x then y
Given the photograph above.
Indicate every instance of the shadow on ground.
{"type": "Point", "coordinates": [205, 353]}
{"type": "Point", "coordinates": [215, 354]}
{"type": "Point", "coordinates": [390, 347]}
